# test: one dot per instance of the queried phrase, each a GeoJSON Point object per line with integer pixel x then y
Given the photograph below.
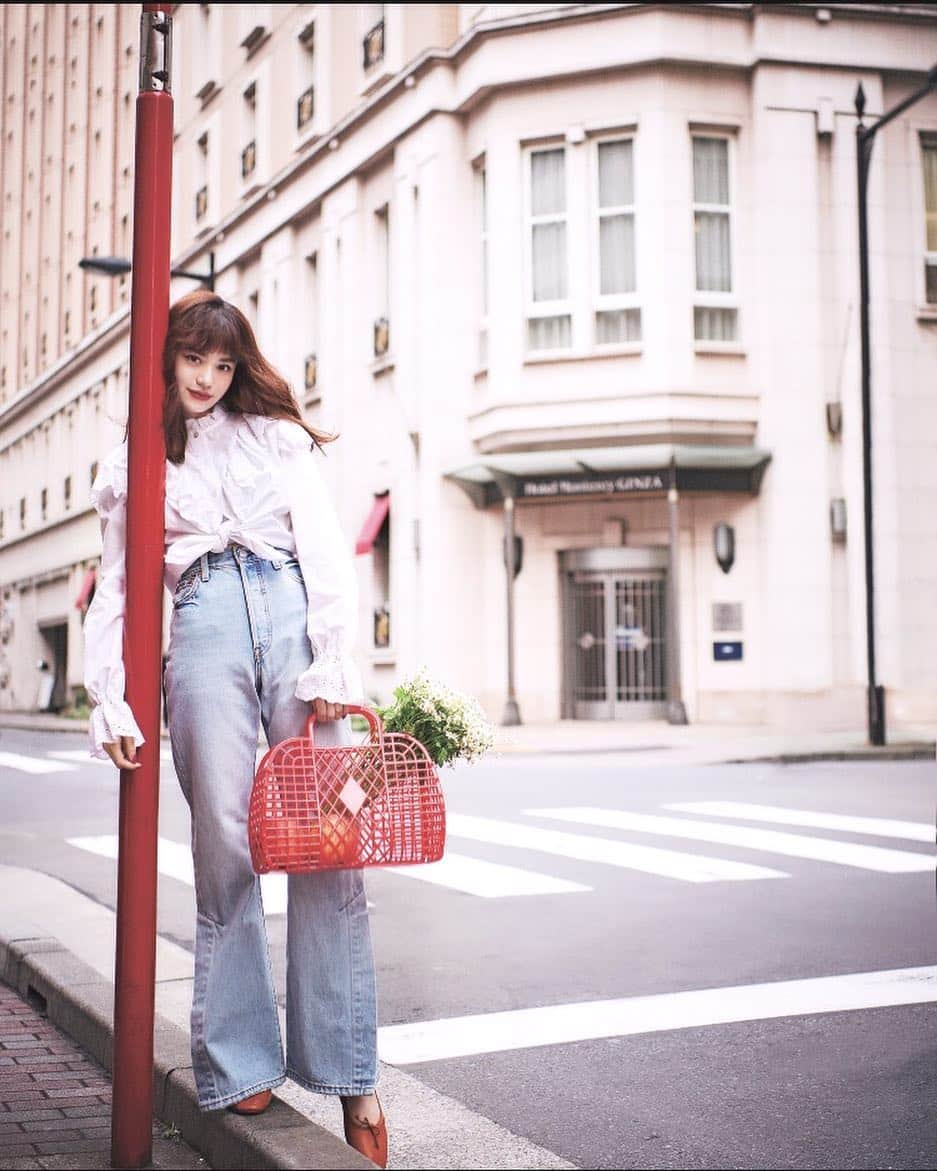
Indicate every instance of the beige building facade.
{"type": "Point", "coordinates": [590, 271]}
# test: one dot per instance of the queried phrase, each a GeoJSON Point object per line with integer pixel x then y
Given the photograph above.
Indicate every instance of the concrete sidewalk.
{"type": "Point", "coordinates": [652, 741]}
{"type": "Point", "coordinates": [59, 944]}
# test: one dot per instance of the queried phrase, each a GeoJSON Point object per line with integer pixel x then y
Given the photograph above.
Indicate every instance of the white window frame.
{"type": "Point", "coordinates": [383, 269]}
{"type": "Point", "coordinates": [927, 140]}
{"type": "Point", "coordinates": [312, 293]}
{"type": "Point", "coordinates": [207, 54]}
{"type": "Point", "coordinates": [715, 299]}
{"type": "Point", "coordinates": [250, 121]}
{"type": "Point", "coordinates": [307, 76]}
{"type": "Point", "coordinates": [255, 22]}
{"type": "Point", "coordinates": [559, 308]}
{"type": "Point", "coordinates": [382, 583]}
{"type": "Point", "coordinates": [605, 302]}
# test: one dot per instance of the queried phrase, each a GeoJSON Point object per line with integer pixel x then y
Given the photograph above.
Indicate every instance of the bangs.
{"type": "Point", "coordinates": [209, 329]}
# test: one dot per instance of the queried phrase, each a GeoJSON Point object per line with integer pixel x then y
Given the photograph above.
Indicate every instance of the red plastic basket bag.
{"type": "Point", "coordinates": [378, 803]}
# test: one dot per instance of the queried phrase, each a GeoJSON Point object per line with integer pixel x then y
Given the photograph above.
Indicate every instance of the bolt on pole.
{"type": "Point", "coordinates": [135, 975]}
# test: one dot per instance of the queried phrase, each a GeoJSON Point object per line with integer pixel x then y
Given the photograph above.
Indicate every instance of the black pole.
{"type": "Point", "coordinates": [865, 136]}
{"type": "Point", "coordinates": [875, 694]}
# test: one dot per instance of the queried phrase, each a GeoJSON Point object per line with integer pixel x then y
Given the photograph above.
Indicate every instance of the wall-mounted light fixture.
{"type": "Point", "coordinates": [838, 518]}
{"type": "Point", "coordinates": [834, 417]}
{"type": "Point", "coordinates": [724, 545]}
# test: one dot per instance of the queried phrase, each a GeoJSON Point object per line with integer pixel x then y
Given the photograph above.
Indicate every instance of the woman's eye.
{"type": "Point", "coordinates": [224, 367]}
{"type": "Point", "coordinates": [193, 359]}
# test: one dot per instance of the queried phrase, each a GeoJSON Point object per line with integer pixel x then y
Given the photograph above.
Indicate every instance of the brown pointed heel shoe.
{"type": "Point", "coordinates": [255, 1104]}
{"type": "Point", "coordinates": [368, 1138]}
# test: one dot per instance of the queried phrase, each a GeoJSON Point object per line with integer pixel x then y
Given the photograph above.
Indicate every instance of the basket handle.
{"type": "Point", "coordinates": [375, 723]}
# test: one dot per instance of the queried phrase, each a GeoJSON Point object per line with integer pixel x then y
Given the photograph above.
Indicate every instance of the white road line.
{"type": "Point", "coordinates": [650, 859]}
{"type": "Point", "coordinates": [881, 827]}
{"type": "Point", "coordinates": [772, 841]}
{"type": "Point", "coordinates": [81, 756]}
{"type": "Point", "coordinates": [174, 860]}
{"type": "Point", "coordinates": [489, 880]}
{"type": "Point", "coordinates": [563, 1024]}
{"type": "Point", "coordinates": [32, 764]}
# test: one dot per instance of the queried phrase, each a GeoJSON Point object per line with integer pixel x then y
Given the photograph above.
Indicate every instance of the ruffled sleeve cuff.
{"type": "Point", "coordinates": [109, 721]}
{"type": "Point", "coordinates": [109, 489]}
{"type": "Point", "coordinates": [333, 677]}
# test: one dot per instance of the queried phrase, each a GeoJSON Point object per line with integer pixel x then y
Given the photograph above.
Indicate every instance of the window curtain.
{"type": "Point", "coordinates": [616, 254]}
{"type": "Point", "coordinates": [711, 186]}
{"type": "Point", "coordinates": [929, 158]}
{"type": "Point", "coordinates": [616, 174]}
{"type": "Point", "coordinates": [711, 171]}
{"type": "Point", "coordinates": [713, 260]}
{"type": "Point", "coordinates": [548, 240]}
{"type": "Point", "coordinates": [548, 182]}
{"type": "Point", "coordinates": [548, 262]}
{"type": "Point", "coordinates": [550, 333]}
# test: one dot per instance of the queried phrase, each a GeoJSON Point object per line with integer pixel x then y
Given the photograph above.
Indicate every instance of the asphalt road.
{"type": "Point", "coordinates": [670, 1081]}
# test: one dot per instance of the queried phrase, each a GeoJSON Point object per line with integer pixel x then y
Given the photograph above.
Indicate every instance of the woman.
{"type": "Point", "coordinates": [264, 610]}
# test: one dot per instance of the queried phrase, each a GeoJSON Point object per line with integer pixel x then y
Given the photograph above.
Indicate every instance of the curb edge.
{"type": "Point", "coordinates": [80, 1001]}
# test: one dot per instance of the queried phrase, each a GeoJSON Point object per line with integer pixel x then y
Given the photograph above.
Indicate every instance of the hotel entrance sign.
{"type": "Point", "coordinates": [564, 486]}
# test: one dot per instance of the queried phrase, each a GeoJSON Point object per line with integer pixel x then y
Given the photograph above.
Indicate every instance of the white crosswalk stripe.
{"type": "Point", "coordinates": [489, 880]}
{"type": "Point", "coordinates": [649, 859]}
{"type": "Point", "coordinates": [470, 875]}
{"type": "Point", "coordinates": [563, 1024]}
{"type": "Point", "coordinates": [880, 827]}
{"type": "Point", "coordinates": [770, 841]}
{"type": "Point", "coordinates": [174, 860]}
{"type": "Point", "coordinates": [33, 764]}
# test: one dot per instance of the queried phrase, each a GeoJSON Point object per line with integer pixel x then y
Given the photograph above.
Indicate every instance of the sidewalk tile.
{"type": "Point", "coordinates": [55, 1101]}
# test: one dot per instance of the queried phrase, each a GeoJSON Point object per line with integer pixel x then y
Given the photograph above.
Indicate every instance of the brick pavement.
{"type": "Point", "coordinates": [55, 1100]}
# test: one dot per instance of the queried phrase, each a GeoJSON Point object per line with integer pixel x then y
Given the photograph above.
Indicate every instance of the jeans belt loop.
{"type": "Point", "coordinates": [277, 563]}
{"type": "Point", "coordinates": [203, 561]}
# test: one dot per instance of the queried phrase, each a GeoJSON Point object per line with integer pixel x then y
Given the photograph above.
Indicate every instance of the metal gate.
{"type": "Point", "coordinates": [615, 622]}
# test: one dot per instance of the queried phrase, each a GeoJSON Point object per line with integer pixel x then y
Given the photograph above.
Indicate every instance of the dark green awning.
{"type": "Point", "coordinates": [611, 471]}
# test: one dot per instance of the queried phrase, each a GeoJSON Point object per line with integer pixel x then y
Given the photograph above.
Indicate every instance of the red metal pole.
{"type": "Point", "coordinates": [135, 977]}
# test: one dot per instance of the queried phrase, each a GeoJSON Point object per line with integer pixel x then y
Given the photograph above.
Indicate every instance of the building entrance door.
{"type": "Point", "coordinates": [615, 623]}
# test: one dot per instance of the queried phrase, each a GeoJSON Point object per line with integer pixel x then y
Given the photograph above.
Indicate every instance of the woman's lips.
{"type": "Point", "coordinates": [200, 394]}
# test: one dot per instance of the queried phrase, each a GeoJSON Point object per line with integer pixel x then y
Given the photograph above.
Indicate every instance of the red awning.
{"type": "Point", "coordinates": [87, 589]}
{"type": "Point", "coordinates": [372, 526]}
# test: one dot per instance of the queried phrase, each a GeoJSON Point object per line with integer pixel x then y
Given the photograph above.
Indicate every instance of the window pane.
{"type": "Point", "coordinates": [930, 280]}
{"type": "Point", "coordinates": [929, 155]}
{"type": "Point", "coordinates": [549, 333]}
{"type": "Point", "coordinates": [714, 325]}
{"type": "Point", "coordinates": [548, 182]}
{"type": "Point", "coordinates": [711, 170]}
{"type": "Point", "coordinates": [616, 176]}
{"type": "Point", "coordinates": [616, 254]}
{"type": "Point", "coordinates": [548, 262]}
{"type": "Point", "coordinates": [617, 325]}
{"type": "Point", "coordinates": [713, 262]}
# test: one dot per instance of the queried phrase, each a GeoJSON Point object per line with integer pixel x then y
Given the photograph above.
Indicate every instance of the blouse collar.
{"type": "Point", "coordinates": [203, 423]}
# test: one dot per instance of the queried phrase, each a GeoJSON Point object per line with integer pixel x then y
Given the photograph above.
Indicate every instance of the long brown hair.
{"type": "Point", "coordinates": [202, 322]}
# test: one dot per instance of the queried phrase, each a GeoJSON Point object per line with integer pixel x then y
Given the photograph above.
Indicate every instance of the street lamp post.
{"type": "Point", "coordinates": [865, 136]}
{"type": "Point", "coordinates": [119, 266]}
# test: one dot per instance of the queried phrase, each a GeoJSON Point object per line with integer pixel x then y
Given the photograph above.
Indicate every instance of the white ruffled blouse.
{"type": "Point", "coordinates": [246, 480]}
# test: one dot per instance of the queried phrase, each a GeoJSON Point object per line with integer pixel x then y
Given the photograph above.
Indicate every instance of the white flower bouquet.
{"type": "Point", "coordinates": [449, 725]}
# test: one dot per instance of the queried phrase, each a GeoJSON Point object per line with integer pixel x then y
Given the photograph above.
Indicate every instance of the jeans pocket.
{"type": "Point", "coordinates": [187, 588]}
{"type": "Point", "coordinates": [294, 570]}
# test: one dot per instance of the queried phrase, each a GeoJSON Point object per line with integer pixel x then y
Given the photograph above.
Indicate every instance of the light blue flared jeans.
{"type": "Point", "coordinates": [237, 645]}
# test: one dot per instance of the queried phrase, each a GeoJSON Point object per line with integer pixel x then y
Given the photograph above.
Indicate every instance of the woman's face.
{"type": "Point", "coordinates": [202, 380]}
